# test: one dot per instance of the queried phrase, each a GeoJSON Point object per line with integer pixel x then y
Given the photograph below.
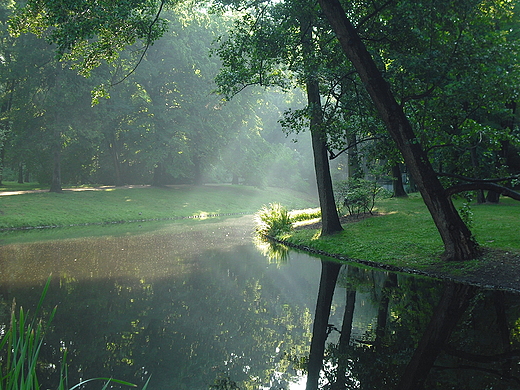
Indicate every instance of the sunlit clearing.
{"type": "Point", "coordinates": [307, 222]}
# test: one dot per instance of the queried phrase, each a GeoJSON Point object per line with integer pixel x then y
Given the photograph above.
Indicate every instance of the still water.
{"type": "Point", "coordinates": [198, 305]}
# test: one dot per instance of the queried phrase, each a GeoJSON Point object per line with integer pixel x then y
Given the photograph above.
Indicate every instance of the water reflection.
{"type": "Point", "coordinates": [425, 335]}
{"type": "Point", "coordinates": [198, 306]}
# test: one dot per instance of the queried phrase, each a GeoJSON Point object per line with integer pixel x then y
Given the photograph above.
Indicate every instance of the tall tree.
{"type": "Point", "coordinates": [458, 241]}
{"type": "Point", "coordinates": [260, 51]}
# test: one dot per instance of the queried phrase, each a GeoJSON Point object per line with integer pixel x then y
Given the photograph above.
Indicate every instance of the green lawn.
{"type": "Point", "coordinates": [404, 234]}
{"type": "Point", "coordinates": [131, 204]}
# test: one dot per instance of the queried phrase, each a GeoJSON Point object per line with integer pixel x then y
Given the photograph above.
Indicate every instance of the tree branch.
{"type": "Point", "coordinates": [473, 180]}
{"type": "Point", "coordinates": [333, 155]}
{"type": "Point", "coordinates": [148, 43]}
{"type": "Point", "coordinates": [423, 95]}
{"type": "Point", "coordinates": [482, 358]}
{"type": "Point", "coordinates": [374, 13]}
{"type": "Point", "coordinates": [482, 186]}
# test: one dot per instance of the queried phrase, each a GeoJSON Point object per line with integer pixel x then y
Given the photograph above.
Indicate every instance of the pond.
{"type": "Point", "coordinates": [198, 305]}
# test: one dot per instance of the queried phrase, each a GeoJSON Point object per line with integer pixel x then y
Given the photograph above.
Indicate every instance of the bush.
{"type": "Point", "coordinates": [357, 196]}
{"type": "Point", "coordinates": [273, 220]}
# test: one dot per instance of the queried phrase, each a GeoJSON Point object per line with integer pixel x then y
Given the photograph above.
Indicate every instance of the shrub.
{"type": "Point", "coordinates": [273, 220]}
{"type": "Point", "coordinates": [357, 196]}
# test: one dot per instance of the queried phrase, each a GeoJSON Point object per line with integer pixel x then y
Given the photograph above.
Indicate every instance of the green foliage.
{"type": "Point", "coordinates": [465, 211]}
{"type": "Point", "coordinates": [224, 382]}
{"type": "Point", "coordinates": [273, 220]}
{"type": "Point", "coordinates": [20, 347]}
{"type": "Point", "coordinates": [357, 196]}
{"type": "Point", "coordinates": [71, 25]}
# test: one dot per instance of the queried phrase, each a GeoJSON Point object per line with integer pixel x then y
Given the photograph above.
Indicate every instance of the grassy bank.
{"type": "Point", "coordinates": [404, 235]}
{"type": "Point", "coordinates": [87, 206]}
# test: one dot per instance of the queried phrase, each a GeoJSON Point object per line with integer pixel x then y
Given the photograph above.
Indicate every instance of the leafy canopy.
{"type": "Point", "coordinates": [87, 32]}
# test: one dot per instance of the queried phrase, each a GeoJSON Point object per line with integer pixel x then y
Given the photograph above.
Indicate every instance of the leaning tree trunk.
{"type": "Point", "coordinates": [329, 215]}
{"type": "Point", "coordinates": [457, 238]}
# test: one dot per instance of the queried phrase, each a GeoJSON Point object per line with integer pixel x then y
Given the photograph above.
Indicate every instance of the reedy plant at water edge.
{"type": "Point", "coordinates": [20, 346]}
{"type": "Point", "coordinates": [273, 220]}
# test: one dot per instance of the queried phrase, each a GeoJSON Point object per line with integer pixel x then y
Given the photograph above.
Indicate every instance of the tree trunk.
{"type": "Point", "coordinates": [2, 158]}
{"type": "Point", "coordinates": [56, 172]}
{"type": "Point", "coordinates": [20, 172]}
{"type": "Point", "coordinates": [476, 173]}
{"type": "Point", "coordinates": [397, 182]}
{"type": "Point", "coordinates": [492, 197]}
{"type": "Point", "coordinates": [457, 238]}
{"type": "Point", "coordinates": [115, 162]}
{"type": "Point", "coordinates": [329, 214]}
{"type": "Point", "coordinates": [329, 276]}
{"type": "Point", "coordinates": [354, 165]}
{"type": "Point", "coordinates": [158, 175]}
{"type": "Point", "coordinates": [197, 171]}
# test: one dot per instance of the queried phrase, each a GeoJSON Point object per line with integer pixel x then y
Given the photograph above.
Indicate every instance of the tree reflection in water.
{"type": "Point", "coordinates": [426, 335]}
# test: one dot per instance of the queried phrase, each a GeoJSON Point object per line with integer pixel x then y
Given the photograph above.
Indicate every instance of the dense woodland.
{"type": "Point", "coordinates": [159, 124]}
{"type": "Point", "coordinates": [200, 92]}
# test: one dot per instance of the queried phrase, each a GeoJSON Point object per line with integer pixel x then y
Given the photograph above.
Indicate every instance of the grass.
{"type": "Point", "coordinates": [137, 204]}
{"type": "Point", "coordinates": [404, 235]}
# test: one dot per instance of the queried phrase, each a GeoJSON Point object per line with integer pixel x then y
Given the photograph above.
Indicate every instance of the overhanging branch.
{"type": "Point", "coordinates": [473, 180]}
{"type": "Point", "coordinates": [482, 186]}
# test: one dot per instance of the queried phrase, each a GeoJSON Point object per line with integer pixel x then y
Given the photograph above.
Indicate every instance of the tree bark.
{"type": "Point", "coordinates": [329, 214]}
{"type": "Point", "coordinates": [112, 147]}
{"type": "Point", "coordinates": [329, 276]}
{"type": "Point", "coordinates": [2, 159]}
{"type": "Point", "coordinates": [397, 182]}
{"type": "Point", "coordinates": [197, 171]}
{"type": "Point", "coordinates": [56, 171]}
{"type": "Point", "coordinates": [476, 173]}
{"type": "Point", "coordinates": [20, 172]}
{"type": "Point", "coordinates": [457, 238]}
